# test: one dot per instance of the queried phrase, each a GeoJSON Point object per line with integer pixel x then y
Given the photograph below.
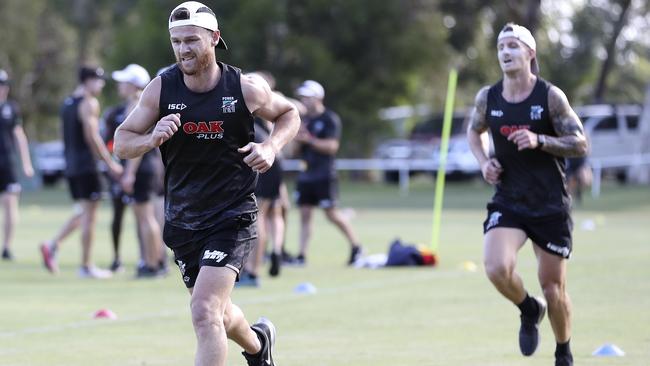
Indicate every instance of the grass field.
{"type": "Point", "coordinates": [358, 317]}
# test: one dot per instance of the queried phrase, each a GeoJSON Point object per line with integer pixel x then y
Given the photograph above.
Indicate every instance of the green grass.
{"type": "Point", "coordinates": [441, 316]}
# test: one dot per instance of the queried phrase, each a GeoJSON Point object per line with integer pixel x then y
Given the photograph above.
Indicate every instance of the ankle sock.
{"type": "Point", "coordinates": [563, 348]}
{"type": "Point", "coordinates": [529, 306]}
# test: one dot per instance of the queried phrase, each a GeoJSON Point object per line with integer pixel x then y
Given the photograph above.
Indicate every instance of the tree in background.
{"type": "Point", "coordinates": [368, 54]}
{"type": "Point", "coordinates": [366, 59]}
{"type": "Point", "coordinates": [603, 53]}
{"type": "Point", "coordinates": [37, 48]}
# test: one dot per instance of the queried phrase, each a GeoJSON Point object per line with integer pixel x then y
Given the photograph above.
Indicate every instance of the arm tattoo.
{"type": "Point", "coordinates": [477, 120]}
{"type": "Point", "coordinates": [570, 140]}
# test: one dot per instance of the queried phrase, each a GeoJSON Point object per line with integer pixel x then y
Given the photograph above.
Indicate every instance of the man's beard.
{"type": "Point", "coordinates": [203, 62]}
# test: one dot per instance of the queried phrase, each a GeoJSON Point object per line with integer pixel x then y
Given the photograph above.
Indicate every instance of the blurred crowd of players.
{"type": "Point", "coordinates": [92, 171]}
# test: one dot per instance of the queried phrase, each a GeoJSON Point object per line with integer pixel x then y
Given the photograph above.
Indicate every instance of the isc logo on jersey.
{"type": "Point", "coordinates": [176, 106]}
{"type": "Point", "coordinates": [204, 130]}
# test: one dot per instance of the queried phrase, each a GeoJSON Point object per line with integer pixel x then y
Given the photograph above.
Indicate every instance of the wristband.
{"type": "Point", "coordinates": [541, 140]}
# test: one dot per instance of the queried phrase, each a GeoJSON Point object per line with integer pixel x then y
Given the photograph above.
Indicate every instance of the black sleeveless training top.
{"type": "Point", "coordinates": [79, 159]}
{"type": "Point", "coordinates": [206, 179]}
{"type": "Point", "coordinates": [112, 119]}
{"type": "Point", "coordinates": [9, 119]}
{"type": "Point", "coordinates": [533, 182]}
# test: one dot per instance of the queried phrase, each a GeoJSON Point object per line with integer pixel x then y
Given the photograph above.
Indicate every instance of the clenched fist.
{"type": "Point", "coordinates": [524, 139]}
{"type": "Point", "coordinates": [260, 157]}
{"type": "Point", "coordinates": [165, 129]}
{"type": "Point", "coordinates": [491, 170]}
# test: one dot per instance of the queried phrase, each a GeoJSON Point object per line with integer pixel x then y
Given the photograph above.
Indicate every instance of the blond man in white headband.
{"type": "Point", "coordinates": [534, 129]}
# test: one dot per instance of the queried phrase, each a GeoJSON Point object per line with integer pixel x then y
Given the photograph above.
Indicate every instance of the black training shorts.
{"type": "Point", "coordinates": [268, 183]}
{"type": "Point", "coordinates": [226, 244]}
{"type": "Point", "coordinates": [321, 193]}
{"type": "Point", "coordinates": [143, 187]}
{"type": "Point", "coordinates": [8, 180]}
{"type": "Point", "coordinates": [85, 187]}
{"type": "Point", "coordinates": [551, 233]}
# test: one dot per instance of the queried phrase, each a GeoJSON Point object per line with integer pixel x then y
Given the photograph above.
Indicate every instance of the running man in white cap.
{"type": "Point", "coordinates": [533, 128]}
{"type": "Point", "coordinates": [200, 114]}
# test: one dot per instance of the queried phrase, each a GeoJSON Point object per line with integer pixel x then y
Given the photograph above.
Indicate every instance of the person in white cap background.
{"type": "Point", "coordinates": [270, 220]}
{"type": "Point", "coordinates": [137, 183]}
{"type": "Point", "coordinates": [317, 184]}
{"type": "Point", "coordinates": [200, 114]}
{"type": "Point", "coordinates": [534, 129]}
{"type": "Point", "coordinates": [83, 145]}
{"type": "Point", "coordinates": [12, 138]}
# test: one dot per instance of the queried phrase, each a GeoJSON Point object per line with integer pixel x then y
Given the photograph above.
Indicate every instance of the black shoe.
{"type": "Point", "coordinates": [146, 272]}
{"type": "Point", "coordinates": [287, 259]}
{"type": "Point", "coordinates": [266, 333]}
{"type": "Point", "coordinates": [6, 255]}
{"type": "Point", "coordinates": [162, 270]}
{"type": "Point", "coordinates": [563, 360]}
{"type": "Point", "coordinates": [298, 261]}
{"type": "Point", "coordinates": [355, 253]}
{"type": "Point", "coordinates": [274, 271]}
{"type": "Point", "coordinates": [116, 266]}
{"type": "Point", "coordinates": [529, 330]}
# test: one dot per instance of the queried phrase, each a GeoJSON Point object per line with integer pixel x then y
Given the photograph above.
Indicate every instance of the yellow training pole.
{"type": "Point", "coordinates": [444, 146]}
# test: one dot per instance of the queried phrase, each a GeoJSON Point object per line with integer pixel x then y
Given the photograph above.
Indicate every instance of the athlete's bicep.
{"type": "Point", "coordinates": [256, 92]}
{"type": "Point", "coordinates": [261, 101]}
{"type": "Point", "coordinates": [565, 120]}
{"type": "Point", "coordinates": [275, 106]}
{"type": "Point", "coordinates": [477, 120]}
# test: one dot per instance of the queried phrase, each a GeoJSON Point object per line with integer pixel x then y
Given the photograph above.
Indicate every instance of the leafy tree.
{"type": "Point", "coordinates": [36, 50]}
{"type": "Point", "coordinates": [365, 59]}
{"type": "Point", "coordinates": [367, 54]}
{"type": "Point", "coordinates": [623, 7]}
{"type": "Point", "coordinates": [603, 55]}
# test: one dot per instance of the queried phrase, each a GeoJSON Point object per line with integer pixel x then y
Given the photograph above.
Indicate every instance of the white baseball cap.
{"type": "Point", "coordinates": [134, 74]}
{"type": "Point", "coordinates": [523, 34]}
{"type": "Point", "coordinates": [4, 77]}
{"type": "Point", "coordinates": [195, 13]}
{"type": "Point", "coordinates": [311, 88]}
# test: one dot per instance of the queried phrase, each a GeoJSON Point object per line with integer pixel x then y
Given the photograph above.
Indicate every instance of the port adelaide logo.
{"type": "Point", "coordinates": [228, 104]}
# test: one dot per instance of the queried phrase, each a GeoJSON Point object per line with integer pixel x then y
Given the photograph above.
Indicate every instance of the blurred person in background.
{"type": "Point", "coordinates": [138, 183]}
{"type": "Point", "coordinates": [200, 114]}
{"type": "Point", "coordinates": [83, 145]}
{"type": "Point", "coordinates": [270, 220]}
{"type": "Point", "coordinates": [579, 176]}
{"type": "Point", "coordinates": [534, 129]}
{"type": "Point", "coordinates": [113, 116]}
{"type": "Point", "coordinates": [12, 139]}
{"type": "Point", "coordinates": [317, 184]}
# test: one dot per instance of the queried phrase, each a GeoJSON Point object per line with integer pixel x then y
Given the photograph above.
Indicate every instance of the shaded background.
{"type": "Point", "coordinates": [368, 54]}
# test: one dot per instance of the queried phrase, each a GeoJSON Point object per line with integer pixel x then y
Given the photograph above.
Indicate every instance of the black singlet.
{"type": "Point", "coordinates": [533, 182]}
